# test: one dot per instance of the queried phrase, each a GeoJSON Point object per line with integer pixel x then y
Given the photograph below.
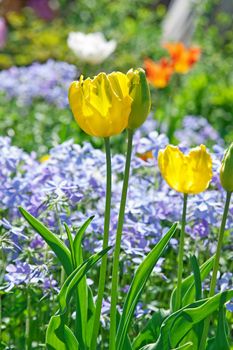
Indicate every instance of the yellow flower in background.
{"type": "Point", "coordinates": [102, 105]}
{"type": "Point", "coordinates": [189, 174]}
{"type": "Point", "coordinates": [44, 158]}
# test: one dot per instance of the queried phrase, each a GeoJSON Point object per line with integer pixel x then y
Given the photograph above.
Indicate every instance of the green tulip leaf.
{"type": "Point", "coordinates": [220, 341]}
{"type": "Point", "coordinates": [188, 288]}
{"type": "Point", "coordinates": [58, 334]}
{"type": "Point", "coordinates": [151, 331]}
{"type": "Point", "coordinates": [141, 276]}
{"type": "Point", "coordinates": [178, 324]}
{"type": "Point", "coordinates": [58, 247]}
{"type": "Point", "coordinates": [82, 297]}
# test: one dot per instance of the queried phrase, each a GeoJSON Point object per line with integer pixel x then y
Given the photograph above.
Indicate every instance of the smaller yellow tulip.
{"type": "Point", "coordinates": [101, 106]}
{"type": "Point", "coordinates": [189, 174]}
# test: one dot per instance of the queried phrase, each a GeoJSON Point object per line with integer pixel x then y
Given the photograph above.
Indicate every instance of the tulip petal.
{"type": "Point", "coordinates": [188, 174]}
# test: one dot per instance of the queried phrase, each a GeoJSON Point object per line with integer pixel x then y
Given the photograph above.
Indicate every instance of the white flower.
{"type": "Point", "coordinates": [91, 48]}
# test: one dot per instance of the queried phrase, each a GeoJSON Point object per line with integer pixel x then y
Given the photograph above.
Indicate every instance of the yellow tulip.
{"type": "Point", "coordinates": [101, 106]}
{"type": "Point", "coordinates": [189, 174]}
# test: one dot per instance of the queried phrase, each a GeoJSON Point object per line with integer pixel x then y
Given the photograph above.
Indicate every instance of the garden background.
{"type": "Point", "coordinates": [52, 168]}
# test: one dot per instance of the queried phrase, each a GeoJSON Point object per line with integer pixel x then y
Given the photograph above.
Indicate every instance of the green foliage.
{"type": "Point", "coordinates": [188, 285]}
{"type": "Point", "coordinates": [141, 276]}
{"type": "Point", "coordinates": [59, 248]}
{"type": "Point", "coordinates": [72, 261]}
{"type": "Point", "coordinates": [178, 324]}
{"type": "Point", "coordinates": [58, 334]}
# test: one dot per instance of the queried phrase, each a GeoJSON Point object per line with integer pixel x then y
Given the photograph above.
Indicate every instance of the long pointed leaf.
{"type": "Point", "coordinates": [186, 346]}
{"type": "Point", "coordinates": [188, 285]}
{"type": "Point", "coordinates": [178, 324]}
{"type": "Point", "coordinates": [151, 331]}
{"type": "Point", "coordinates": [75, 277]}
{"type": "Point", "coordinates": [220, 341]}
{"type": "Point", "coordinates": [78, 241]}
{"type": "Point", "coordinates": [58, 247]}
{"type": "Point", "coordinates": [141, 276]}
{"type": "Point", "coordinates": [58, 334]}
{"type": "Point", "coordinates": [82, 290]}
{"type": "Point", "coordinates": [197, 277]}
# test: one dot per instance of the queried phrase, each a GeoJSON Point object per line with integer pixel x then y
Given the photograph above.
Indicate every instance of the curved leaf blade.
{"type": "Point", "coordinates": [188, 285]}
{"type": "Point", "coordinates": [178, 324]}
{"type": "Point", "coordinates": [151, 331]}
{"type": "Point", "coordinates": [58, 247]}
{"type": "Point", "coordinates": [142, 274]}
{"type": "Point", "coordinates": [75, 277]}
{"type": "Point", "coordinates": [59, 336]}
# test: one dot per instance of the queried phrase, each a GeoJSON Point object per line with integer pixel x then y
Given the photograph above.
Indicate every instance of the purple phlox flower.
{"type": "Point", "coordinates": [37, 242]}
{"type": "Point", "coordinates": [196, 130]}
{"type": "Point", "coordinates": [50, 82]}
{"type": "Point", "coordinates": [225, 282]}
{"type": "Point", "coordinates": [23, 273]}
{"type": "Point", "coordinates": [140, 311]}
{"type": "Point", "coordinates": [50, 283]}
{"type": "Point", "coordinates": [229, 306]}
{"type": "Point", "coordinates": [199, 229]}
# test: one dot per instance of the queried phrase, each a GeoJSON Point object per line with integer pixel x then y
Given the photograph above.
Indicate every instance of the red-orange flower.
{"type": "Point", "coordinates": [145, 156]}
{"type": "Point", "coordinates": [158, 73]}
{"type": "Point", "coordinates": [183, 58]}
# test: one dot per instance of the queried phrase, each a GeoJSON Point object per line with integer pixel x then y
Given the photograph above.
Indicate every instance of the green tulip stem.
{"type": "Point", "coordinates": [216, 267]}
{"type": "Point", "coordinates": [181, 255]}
{"type": "Point", "coordinates": [115, 277]}
{"type": "Point", "coordinates": [103, 268]}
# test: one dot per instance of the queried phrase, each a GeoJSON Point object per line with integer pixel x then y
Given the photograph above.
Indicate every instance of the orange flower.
{"type": "Point", "coordinates": [158, 73]}
{"type": "Point", "coordinates": [145, 156]}
{"type": "Point", "coordinates": [183, 58]}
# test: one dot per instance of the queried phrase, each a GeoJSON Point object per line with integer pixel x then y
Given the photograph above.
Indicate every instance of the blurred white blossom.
{"type": "Point", "coordinates": [92, 48]}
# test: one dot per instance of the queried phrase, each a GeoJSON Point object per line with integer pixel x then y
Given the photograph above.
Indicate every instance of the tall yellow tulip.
{"type": "Point", "coordinates": [189, 174]}
{"type": "Point", "coordinates": [102, 105]}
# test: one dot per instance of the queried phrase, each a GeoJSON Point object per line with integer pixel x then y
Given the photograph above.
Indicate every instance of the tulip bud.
{"type": "Point", "coordinates": [140, 93]}
{"type": "Point", "coordinates": [226, 171]}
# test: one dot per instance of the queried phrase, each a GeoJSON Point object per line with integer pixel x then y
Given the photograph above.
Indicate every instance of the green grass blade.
{"type": "Point", "coordinates": [58, 247]}
{"type": "Point", "coordinates": [141, 276]}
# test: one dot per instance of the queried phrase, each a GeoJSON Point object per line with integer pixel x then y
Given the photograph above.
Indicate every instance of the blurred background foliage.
{"type": "Point", "coordinates": [207, 90]}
